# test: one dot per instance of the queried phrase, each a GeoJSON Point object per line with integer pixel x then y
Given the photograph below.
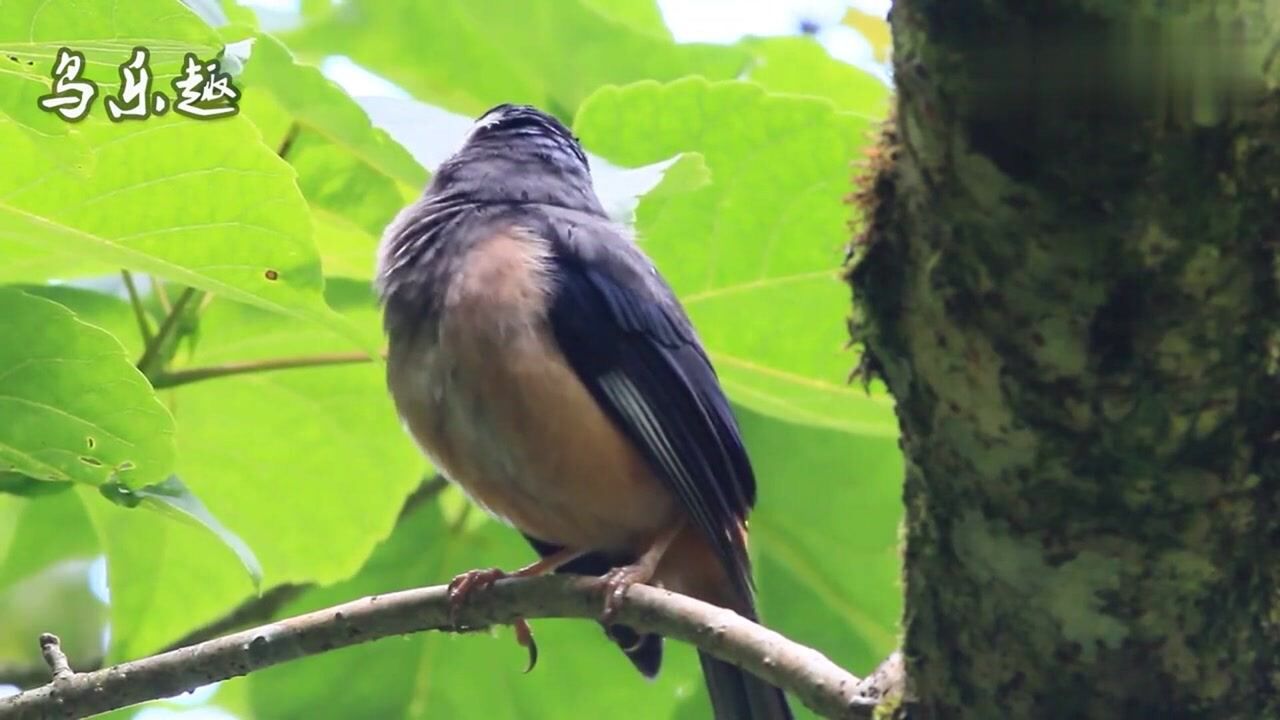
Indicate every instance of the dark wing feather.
{"type": "Point", "coordinates": [632, 346]}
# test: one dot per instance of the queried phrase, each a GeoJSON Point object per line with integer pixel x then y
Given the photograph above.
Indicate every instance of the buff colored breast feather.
{"type": "Point", "coordinates": [492, 401]}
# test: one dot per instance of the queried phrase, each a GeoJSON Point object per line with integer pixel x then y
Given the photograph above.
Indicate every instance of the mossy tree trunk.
{"type": "Point", "coordinates": [1068, 278]}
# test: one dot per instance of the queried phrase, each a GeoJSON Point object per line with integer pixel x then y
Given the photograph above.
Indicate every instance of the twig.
{"type": "Point", "coordinates": [139, 312]}
{"type": "Point", "coordinates": [174, 378]}
{"type": "Point", "coordinates": [286, 144]}
{"type": "Point", "coordinates": [151, 356]}
{"type": "Point", "coordinates": [162, 294]}
{"type": "Point", "coordinates": [51, 649]}
{"type": "Point", "coordinates": [806, 673]}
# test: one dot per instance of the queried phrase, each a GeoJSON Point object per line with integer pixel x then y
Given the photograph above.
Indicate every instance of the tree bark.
{"type": "Point", "coordinates": [1067, 276]}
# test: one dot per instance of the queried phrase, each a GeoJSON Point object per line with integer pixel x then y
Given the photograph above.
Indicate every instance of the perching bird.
{"type": "Point", "coordinates": [543, 364]}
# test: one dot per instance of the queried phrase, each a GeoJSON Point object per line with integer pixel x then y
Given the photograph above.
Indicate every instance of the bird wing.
{"type": "Point", "coordinates": [625, 335]}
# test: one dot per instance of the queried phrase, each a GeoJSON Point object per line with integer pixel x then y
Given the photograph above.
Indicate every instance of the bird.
{"type": "Point", "coordinates": [542, 363]}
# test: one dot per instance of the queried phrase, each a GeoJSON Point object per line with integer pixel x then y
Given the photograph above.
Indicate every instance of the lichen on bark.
{"type": "Point", "coordinates": [1070, 285]}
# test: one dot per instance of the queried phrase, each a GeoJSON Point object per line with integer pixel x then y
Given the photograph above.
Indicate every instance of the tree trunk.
{"type": "Point", "coordinates": [1068, 278]}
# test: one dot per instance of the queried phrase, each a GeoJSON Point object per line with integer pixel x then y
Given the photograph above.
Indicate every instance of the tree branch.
{"type": "Point", "coordinates": [173, 378]}
{"type": "Point", "coordinates": [804, 672]}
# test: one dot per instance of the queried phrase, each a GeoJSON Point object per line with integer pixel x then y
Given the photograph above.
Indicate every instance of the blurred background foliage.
{"type": "Point", "coordinates": [136, 508]}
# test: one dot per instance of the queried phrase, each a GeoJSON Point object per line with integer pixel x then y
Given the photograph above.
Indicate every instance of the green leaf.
{"type": "Point", "coordinates": [468, 55]}
{"type": "Point", "coordinates": [754, 255]}
{"type": "Point", "coordinates": [440, 675]}
{"type": "Point", "coordinates": [800, 66]}
{"type": "Point", "coordinates": [166, 578]}
{"type": "Point", "coordinates": [347, 250]}
{"type": "Point", "coordinates": [14, 483]}
{"type": "Point", "coordinates": [174, 499]}
{"type": "Point", "coordinates": [824, 535]}
{"type": "Point", "coordinates": [74, 407]}
{"type": "Point", "coordinates": [687, 173]}
{"type": "Point", "coordinates": [320, 105]}
{"type": "Point", "coordinates": [32, 31]}
{"type": "Point", "coordinates": [22, 83]}
{"type": "Point", "coordinates": [202, 203]}
{"type": "Point", "coordinates": [309, 467]}
{"type": "Point", "coordinates": [336, 181]}
{"type": "Point", "coordinates": [38, 532]}
{"type": "Point", "coordinates": [644, 15]}
{"type": "Point", "coordinates": [350, 172]}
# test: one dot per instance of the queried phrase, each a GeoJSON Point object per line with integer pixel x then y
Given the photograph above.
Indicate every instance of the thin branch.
{"type": "Point", "coordinates": [162, 294]}
{"type": "Point", "coordinates": [139, 312]}
{"type": "Point", "coordinates": [151, 356]}
{"type": "Point", "coordinates": [174, 378]}
{"type": "Point", "coordinates": [804, 672]}
{"type": "Point", "coordinates": [290, 136]}
{"type": "Point", "coordinates": [51, 649]}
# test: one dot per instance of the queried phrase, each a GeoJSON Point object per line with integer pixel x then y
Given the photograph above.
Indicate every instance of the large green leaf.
{"type": "Point", "coordinates": [32, 31]}
{"type": "Point", "coordinates": [799, 65]}
{"type": "Point", "coordinates": [320, 105]}
{"type": "Point", "coordinates": [353, 175]}
{"type": "Point", "coordinates": [307, 467]}
{"type": "Point", "coordinates": [644, 15]}
{"type": "Point", "coordinates": [36, 533]}
{"type": "Point", "coordinates": [72, 405]}
{"type": "Point", "coordinates": [203, 203]}
{"type": "Point", "coordinates": [755, 254]}
{"type": "Point", "coordinates": [326, 440]}
{"type": "Point", "coordinates": [468, 55]}
{"type": "Point", "coordinates": [824, 534]}
{"type": "Point", "coordinates": [166, 578]}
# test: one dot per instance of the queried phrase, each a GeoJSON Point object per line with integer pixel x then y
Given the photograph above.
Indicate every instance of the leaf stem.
{"type": "Point", "coordinates": [144, 323]}
{"type": "Point", "coordinates": [162, 294]}
{"type": "Point", "coordinates": [287, 143]}
{"type": "Point", "coordinates": [189, 375]}
{"type": "Point", "coordinates": [153, 355]}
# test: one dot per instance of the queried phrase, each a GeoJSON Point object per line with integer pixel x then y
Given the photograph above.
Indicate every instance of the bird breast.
{"type": "Point", "coordinates": [491, 400]}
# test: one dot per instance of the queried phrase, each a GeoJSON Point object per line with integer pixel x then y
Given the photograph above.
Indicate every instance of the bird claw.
{"type": "Point", "coordinates": [524, 636]}
{"type": "Point", "coordinates": [616, 583]}
{"type": "Point", "coordinates": [461, 588]}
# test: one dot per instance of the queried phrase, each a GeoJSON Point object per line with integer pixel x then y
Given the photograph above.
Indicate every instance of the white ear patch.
{"type": "Point", "coordinates": [487, 121]}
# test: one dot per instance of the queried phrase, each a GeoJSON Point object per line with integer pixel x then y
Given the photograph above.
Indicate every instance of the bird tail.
{"type": "Point", "coordinates": [739, 695]}
{"type": "Point", "coordinates": [644, 651]}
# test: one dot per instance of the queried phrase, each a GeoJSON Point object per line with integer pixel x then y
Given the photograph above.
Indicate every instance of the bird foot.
{"type": "Point", "coordinates": [616, 583]}
{"type": "Point", "coordinates": [461, 588]}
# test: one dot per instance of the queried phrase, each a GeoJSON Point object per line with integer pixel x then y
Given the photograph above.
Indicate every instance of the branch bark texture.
{"type": "Point", "coordinates": [806, 673]}
{"type": "Point", "coordinates": [1068, 279]}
